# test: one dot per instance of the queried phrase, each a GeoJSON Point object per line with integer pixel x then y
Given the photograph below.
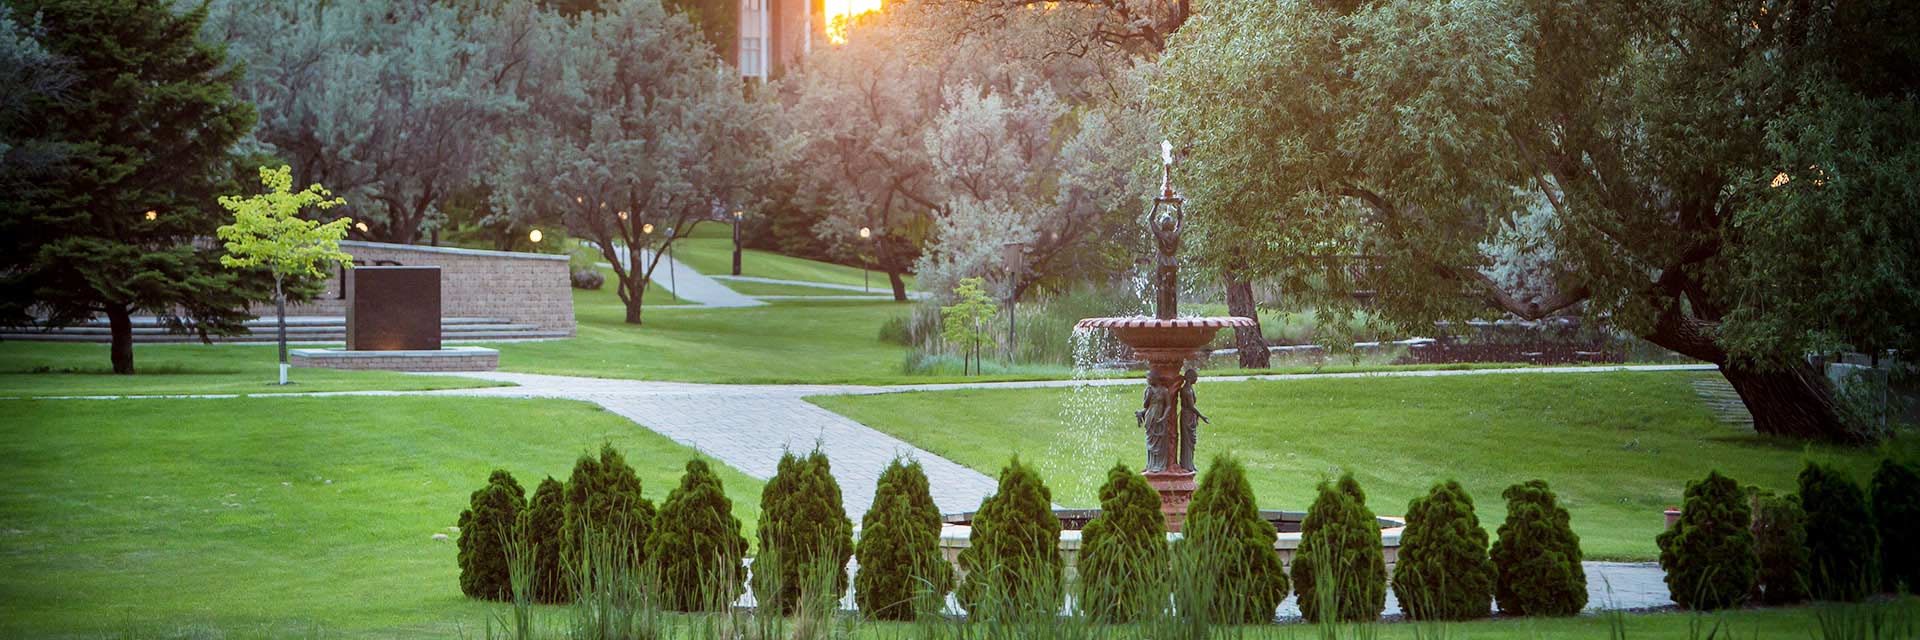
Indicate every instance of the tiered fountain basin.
{"type": "Point", "coordinates": [955, 530]}
{"type": "Point", "coordinates": [1173, 339]}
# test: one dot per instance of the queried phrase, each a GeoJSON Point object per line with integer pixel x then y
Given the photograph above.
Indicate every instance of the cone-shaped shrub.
{"type": "Point", "coordinates": [1780, 548]}
{"type": "Point", "coordinates": [696, 545]}
{"type": "Point", "coordinates": [1013, 563]}
{"type": "Point", "coordinates": [485, 528]}
{"type": "Point", "coordinates": [603, 500]}
{"type": "Point", "coordinates": [902, 571]}
{"type": "Point", "coordinates": [1896, 507]}
{"type": "Point", "coordinates": [1537, 559]}
{"type": "Point", "coordinates": [1843, 546]}
{"type": "Point", "coordinates": [1123, 551]}
{"type": "Point", "coordinates": [1340, 550]}
{"type": "Point", "coordinates": [1225, 540]}
{"type": "Point", "coordinates": [1443, 572]}
{"type": "Point", "coordinates": [805, 536]}
{"type": "Point", "coordinates": [540, 529]}
{"type": "Point", "coordinates": [1708, 554]}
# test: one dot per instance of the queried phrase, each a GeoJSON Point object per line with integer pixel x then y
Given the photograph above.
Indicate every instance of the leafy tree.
{"type": "Point", "coordinates": [1226, 539]}
{"type": "Point", "coordinates": [1708, 555]}
{"type": "Point", "coordinates": [1843, 545]}
{"type": "Point", "coordinates": [1780, 549]}
{"type": "Point", "coordinates": [902, 571]}
{"type": "Point", "coordinates": [604, 502]}
{"type": "Point", "coordinates": [1536, 562]}
{"type": "Point", "coordinates": [27, 69]}
{"type": "Point", "coordinates": [486, 527]}
{"type": "Point", "coordinates": [1013, 563]}
{"type": "Point", "coordinates": [697, 545]}
{"type": "Point", "coordinates": [1655, 134]}
{"type": "Point", "coordinates": [120, 171]}
{"type": "Point", "coordinates": [805, 536]}
{"type": "Point", "coordinates": [964, 323]}
{"type": "Point", "coordinates": [268, 231]}
{"type": "Point", "coordinates": [541, 527]}
{"type": "Point", "coordinates": [1340, 550]}
{"type": "Point", "coordinates": [1443, 572]}
{"type": "Point", "coordinates": [1896, 507]}
{"type": "Point", "coordinates": [1123, 559]}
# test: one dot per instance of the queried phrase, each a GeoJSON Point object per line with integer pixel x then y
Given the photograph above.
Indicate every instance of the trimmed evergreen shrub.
{"type": "Point", "coordinates": [902, 571]}
{"type": "Point", "coordinates": [1843, 545]}
{"type": "Point", "coordinates": [540, 527]}
{"type": "Point", "coordinates": [1123, 551]}
{"type": "Point", "coordinates": [1537, 559]}
{"type": "Point", "coordinates": [1443, 572]}
{"type": "Point", "coordinates": [805, 536]}
{"type": "Point", "coordinates": [1708, 554]}
{"type": "Point", "coordinates": [1013, 564]}
{"type": "Point", "coordinates": [1780, 548]}
{"type": "Point", "coordinates": [1340, 550]}
{"type": "Point", "coordinates": [696, 546]}
{"type": "Point", "coordinates": [485, 527]}
{"type": "Point", "coordinates": [1227, 542]}
{"type": "Point", "coordinates": [603, 500]}
{"type": "Point", "coordinates": [1896, 508]}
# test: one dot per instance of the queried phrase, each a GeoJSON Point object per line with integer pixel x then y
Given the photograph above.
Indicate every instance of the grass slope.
{"type": "Point", "coordinates": [60, 369]}
{"type": "Point", "coordinates": [751, 288]}
{"type": "Point", "coordinates": [275, 516]}
{"type": "Point", "coordinates": [714, 256]}
{"type": "Point", "coordinates": [1617, 447]}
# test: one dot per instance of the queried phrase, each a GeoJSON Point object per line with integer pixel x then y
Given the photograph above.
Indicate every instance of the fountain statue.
{"type": "Point", "coordinates": [1169, 413]}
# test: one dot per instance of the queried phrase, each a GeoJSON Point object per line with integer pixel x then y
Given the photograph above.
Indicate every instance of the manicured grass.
{"type": "Point", "coordinates": [1616, 447]}
{"type": "Point", "coordinates": [714, 257]}
{"type": "Point", "coordinates": [751, 288]}
{"type": "Point", "coordinates": [275, 516]}
{"type": "Point", "coordinates": [608, 295]}
{"type": "Point", "coordinates": [63, 369]}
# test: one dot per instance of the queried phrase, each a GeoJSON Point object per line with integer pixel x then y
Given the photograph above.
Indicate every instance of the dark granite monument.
{"type": "Point", "coordinates": [393, 308]}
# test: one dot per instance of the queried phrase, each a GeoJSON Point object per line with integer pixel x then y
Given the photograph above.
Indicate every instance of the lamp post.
{"type": "Point", "coordinates": [866, 238]}
{"type": "Point", "coordinates": [646, 243]}
{"type": "Point", "coordinates": [673, 283]}
{"type": "Point", "coordinates": [737, 215]}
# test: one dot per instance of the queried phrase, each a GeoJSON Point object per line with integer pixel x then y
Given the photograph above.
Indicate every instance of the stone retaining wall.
{"type": "Point", "coordinates": [448, 359]}
{"type": "Point", "coordinates": [526, 288]}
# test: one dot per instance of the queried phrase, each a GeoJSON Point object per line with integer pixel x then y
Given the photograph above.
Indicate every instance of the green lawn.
{"type": "Point", "coordinates": [714, 256]}
{"type": "Point", "coordinates": [747, 287]}
{"type": "Point", "coordinates": [61, 369]}
{"type": "Point", "coordinates": [275, 516]}
{"type": "Point", "coordinates": [1617, 447]}
{"type": "Point", "coordinates": [608, 295]}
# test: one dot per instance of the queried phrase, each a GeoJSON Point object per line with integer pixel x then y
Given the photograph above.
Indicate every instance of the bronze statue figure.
{"type": "Point", "coordinates": [1166, 237]}
{"type": "Point", "coordinates": [1156, 418]}
{"type": "Point", "coordinates": [1190, 419]}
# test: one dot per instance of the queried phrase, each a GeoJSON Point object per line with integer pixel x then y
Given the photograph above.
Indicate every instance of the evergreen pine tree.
{"type": "Point", "coordinates": [1340, 550]}
{"type": "Point", "coordinates": [1780, 549]}
{"type": "Point", "coordinates": [696, 545]}
{"type": "Point", "coordinates": [902, 571]}
{"type": "Point", "coordinates": [1443, 572]}
{"type": "Point", "coordinates": [1843, 545]}
{"type": "Point", "coordinates": [485, 528]}
{"type": "Point", "coordinates": [1896, 508]}
{"type": "Point", "coordinates": [604, 501]}
{"type": "Point", "coordinates": [804, 531]}
{"type": "Point", "coordinates": [1123, 551]}
{"type": "Point", "coordinates": [1013, 563]}
{"type": "Point", "coordinates": [541, 526]}
{"type": "Point", "coordinates": [1225, 540]}
{"type": "Point", "coordinates": [1708, 555]}
{"type": "Point", "coordinates": [1536, 562]}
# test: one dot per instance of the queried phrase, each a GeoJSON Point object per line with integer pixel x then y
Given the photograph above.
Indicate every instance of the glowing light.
{"type": "Point", "coordinates": [1780, 179]}
{"type": "Point", "coordinates": [153, 215]}
{"type": "Point", "coordinates": [646, 228]}
{"type": "Point", "coordinates": [362, 226]}
{"type": "Point", "coordinates": [534, 236]}
{"type": "Point", "coordinates": [623, 215]}
{"type": "Point", "coordinates": [865, 233]}
{"type": "Point", "coordinates": [841, 15]}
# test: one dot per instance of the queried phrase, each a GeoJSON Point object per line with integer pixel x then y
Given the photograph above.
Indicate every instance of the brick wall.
{"type": "Point", "coordinates": [526, 288]}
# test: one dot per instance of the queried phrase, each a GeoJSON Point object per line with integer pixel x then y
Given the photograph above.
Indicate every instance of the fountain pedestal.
{"type": "Point", "coordinates": [1176, 490]}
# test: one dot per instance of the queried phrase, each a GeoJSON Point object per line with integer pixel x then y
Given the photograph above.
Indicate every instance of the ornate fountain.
{"type": "Point", "coordinates": [1169, 413]}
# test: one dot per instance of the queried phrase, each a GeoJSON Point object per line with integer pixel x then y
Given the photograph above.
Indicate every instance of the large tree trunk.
{"type": "Point", "coordinates": [1248, 340]}
{"type": "Point", "coordinates": [639, 291]}
{"type": "Point", "coordinates": [120, 320]}
{"type": "Point", "coordinates": [1795, 402]}
{"type": "Point", "coordinates": [899, 285]}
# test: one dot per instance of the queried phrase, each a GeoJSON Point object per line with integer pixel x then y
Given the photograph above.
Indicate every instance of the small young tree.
{"type": "Point", "coordinates": [1443, 572]}
{"type": "Point", "coordinates": [268, 231]}
{"type": "Point", "coordinates": [485, 528]}
{"type": "Point", "coordinates": [805, 536]}
{"type": "Point", "coordinates": [540, 528]}
{"type": "Point", "coordinates": [1843, 546]}
{"type": "Point", "coordinates": [1896, 507]}
{"type": "Point", "coordinates": [1013, 563]}
{"type": "Point", "coordinates": [1536, 562]}
{"type": "Point", "coordinates": [696, 544]}
{"type": "Point", "coordinates": [604, 502]}
{"type": "Point", "coordinates": [902, 571]}
{"type": "Point", "coordinates": [1123, 552]}
{"type": "Point", "coordinates": [1228, 545]}
{"type": "Point", "coordinates": [964, 323]}
{"type": "Point", "coordinates": [1708, 555]}
{"type": "Point", "coordinates": [1780, 549]}
{"type": "Point", "coordinates": [1340, 550]}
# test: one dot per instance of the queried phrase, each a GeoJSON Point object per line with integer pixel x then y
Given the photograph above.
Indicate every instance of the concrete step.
{"type": "Point", "coordinates": [301, 329]}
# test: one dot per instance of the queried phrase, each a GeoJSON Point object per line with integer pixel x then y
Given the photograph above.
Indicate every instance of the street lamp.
{"type": "Point", "coordinates": [534, 236]}
{"type": "Point", "coordinates": [866, 236]}
{"type": "Point", "coordinates": [673, 282]}
{"type": "Point", "coordinates": [737, 215]}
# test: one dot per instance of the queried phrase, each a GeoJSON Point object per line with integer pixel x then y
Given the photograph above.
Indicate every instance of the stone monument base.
{"type": "Point", "coordinates": [445, 359]}
{"type": "Point", "coordinates": [1176, 490]}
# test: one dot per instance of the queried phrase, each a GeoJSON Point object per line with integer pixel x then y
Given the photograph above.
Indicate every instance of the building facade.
{"type": "Point", "coordinates": [776, 34]}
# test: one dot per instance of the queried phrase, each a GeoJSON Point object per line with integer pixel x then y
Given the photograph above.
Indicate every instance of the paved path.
{"type": "Point", "coordinates": [691, 285]}
{"type": "Point", "coordinates": [883, 291]}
